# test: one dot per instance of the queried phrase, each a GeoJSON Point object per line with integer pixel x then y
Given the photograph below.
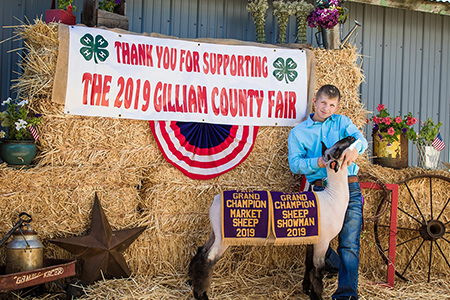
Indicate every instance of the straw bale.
{"type": "Point", "coordinates": [280, 285]}
{"type": "Point", "coordinates": [340, 68]}
{"type": "Point", "coordinates": [78, 140]}
{"type": "Point", "coordinates": [60, 199]}
{"type": "Point", "coordinates": [119, 159]}
{"type": "Point", "coordinates": [39, 64]}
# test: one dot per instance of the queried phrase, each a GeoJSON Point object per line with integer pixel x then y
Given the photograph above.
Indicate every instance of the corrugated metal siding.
{"type": "Point", "coordinates": [405, 54]}
{"type": "Point", "coordinates": [13, 13]}
{"type": "Point", "coordinates": [406, 64]}
{"type": "Point", "coordinates": [201, 19]}
{"type": "Point", "coordinates": [8, 60]}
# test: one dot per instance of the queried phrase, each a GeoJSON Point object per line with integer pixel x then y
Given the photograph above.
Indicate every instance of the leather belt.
{"type": "Point", "coordinates": [351, 179]}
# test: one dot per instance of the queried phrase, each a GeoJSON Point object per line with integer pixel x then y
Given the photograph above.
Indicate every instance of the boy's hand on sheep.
{"type": "Point", "coordinates": [321, 163]}
{"type": "Point", "coordinates": [350, 155]}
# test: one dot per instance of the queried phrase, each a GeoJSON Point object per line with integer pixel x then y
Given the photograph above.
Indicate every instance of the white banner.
{"type": "Point", "coordinates": [112, 74]}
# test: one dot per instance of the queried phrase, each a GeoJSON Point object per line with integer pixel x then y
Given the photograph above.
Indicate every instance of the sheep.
{"type": "Point", "coordinates": [333, 203]}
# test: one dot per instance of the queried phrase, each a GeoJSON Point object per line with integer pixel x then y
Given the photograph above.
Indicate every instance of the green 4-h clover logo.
{"type": "Point", "coordinates": [93, 48]}
{"type": "Point", "coordinates": [285, 71]}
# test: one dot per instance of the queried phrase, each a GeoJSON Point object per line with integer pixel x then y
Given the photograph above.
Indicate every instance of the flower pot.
{"type": "Point", "coordinates": [394, 155]}
{"type": "Point", "coordinates": [428, 157]}
{"type": "Point", "coordinates": [17, 153]}
{"type": "Point", "coordinates": [59, 15]}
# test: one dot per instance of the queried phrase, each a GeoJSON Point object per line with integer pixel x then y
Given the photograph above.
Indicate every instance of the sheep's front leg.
{"type": "Point", "coordinates": [309, 265]}
{"type": "Point", "coordinates": [202, 264]}
{"type": "Point", "coordinates": [316, 275]}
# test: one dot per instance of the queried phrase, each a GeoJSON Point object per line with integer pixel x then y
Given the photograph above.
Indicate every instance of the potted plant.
{"type": "Point", "coordinates": [17, 145]}
{"type": "Point", "coordinates": [62, 14]}
{"type": "Point", "coordinates": [390, 138]}
{"type": "Point", "coordinates": [428, 155]}
{"type": "Point", "coordinates": [326, 15]}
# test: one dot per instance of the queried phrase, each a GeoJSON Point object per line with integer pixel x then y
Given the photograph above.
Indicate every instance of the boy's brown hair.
{"type": "Point", "coordinates": [330, 91]}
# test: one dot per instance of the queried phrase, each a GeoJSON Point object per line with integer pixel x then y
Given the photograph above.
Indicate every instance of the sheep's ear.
{"type": "Point", "coordinates": [324, 148]}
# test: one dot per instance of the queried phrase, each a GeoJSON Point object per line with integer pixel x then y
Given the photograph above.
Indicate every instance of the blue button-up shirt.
{"type": "Point", "coordinates": [305, 145]}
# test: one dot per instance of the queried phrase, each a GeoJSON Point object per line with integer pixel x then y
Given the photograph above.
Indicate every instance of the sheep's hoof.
{"type": "Point", "coordinates": [306, 287]}
{"type": "Point", "coordinates": [313, 296]}
{"type": "Point", "coordinates": [204, 296]}
{"type": "Point", "coordinates": [306, 291]}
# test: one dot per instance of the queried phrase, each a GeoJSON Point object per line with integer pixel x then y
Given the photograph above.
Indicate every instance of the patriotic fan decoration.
{"type": "Point", "coordinates": [202, 150]}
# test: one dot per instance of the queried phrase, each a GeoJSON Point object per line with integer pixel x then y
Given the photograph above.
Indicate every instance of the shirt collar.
{"type": "Point", "coordinates": [310, 121]}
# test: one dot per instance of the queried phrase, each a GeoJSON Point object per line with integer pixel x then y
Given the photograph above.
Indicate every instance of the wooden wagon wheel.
{"type": "Point", "coordinates": [423, 233]}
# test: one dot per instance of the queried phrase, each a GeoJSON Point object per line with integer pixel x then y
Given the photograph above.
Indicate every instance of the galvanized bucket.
{"type": "Point", "coordinates": [428, 157]}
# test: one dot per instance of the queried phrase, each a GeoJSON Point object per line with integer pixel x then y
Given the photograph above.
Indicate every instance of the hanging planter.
{"type": "Point", "coordinates": [17, 152]}
{"type": "Point", "coordinates": [282, 11]}
{"type": "Point", "coordinates": [390, 154]}
{"type": "Point", "coordinates": [327, 17]}
{"type": "Point", "coordinates": [258, 9]}
{"type": "Point", "coordinates": [302, 11]}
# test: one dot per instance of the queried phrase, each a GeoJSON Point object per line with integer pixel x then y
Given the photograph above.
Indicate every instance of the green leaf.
{"type": "Point", "coordinates": [279, 74]}
{"type": "Point", "coordinates": [87, 40]}
{"type": "Point", "coordinates": [94, 48]}
{"type": "Point", "coordinates": [102, 54]}
{"type": "Point", "coordinates": [285, 71]}
{"type": "Point", "coordinates": [100, 42]}
{"type": "Point", "coordinates": [279, 63]}
{"type": "Point", "coordinates": [290, 64]}
{"type": "Point", "coordinates": [87, 53]}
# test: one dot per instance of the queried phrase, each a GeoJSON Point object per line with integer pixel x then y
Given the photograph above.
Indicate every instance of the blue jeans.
{"type": "Point", "coordinates": [347, 256]}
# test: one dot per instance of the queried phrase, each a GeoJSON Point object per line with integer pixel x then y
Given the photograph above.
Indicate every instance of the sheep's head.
{"type": "Point", "coordinates": [332, 155]}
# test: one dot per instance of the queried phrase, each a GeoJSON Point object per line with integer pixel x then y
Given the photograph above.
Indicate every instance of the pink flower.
{"type": "Point", "coordinates": [380, 107]}
{"type": "Point", "coordinates": [387, 120]}
{"type": "Point", "coordinates": [398, 120]}
{"type": "Point", "coordinates": [411, 121]}
{"type": "Point", "coordinates": [377, 120]}
{"type": "Point", "coordinates": [391, 131]}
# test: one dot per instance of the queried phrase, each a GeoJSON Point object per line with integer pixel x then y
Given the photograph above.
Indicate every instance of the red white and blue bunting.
{"type": "Point", "coordinates": [202, 150]}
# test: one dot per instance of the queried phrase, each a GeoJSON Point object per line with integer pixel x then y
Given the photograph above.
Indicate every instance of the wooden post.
{"type": "Point", "coordinates": [89, 13]}
{"type": "Point", "coordinates": [111, 20]}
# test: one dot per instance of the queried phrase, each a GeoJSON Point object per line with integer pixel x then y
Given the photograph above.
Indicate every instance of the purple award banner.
{"type": "Point", "coordinates": [245, 216]}
{"type": "Point", "coordinates": [295, 217]}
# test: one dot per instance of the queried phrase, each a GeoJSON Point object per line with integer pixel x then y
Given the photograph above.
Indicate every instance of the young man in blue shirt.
{"type": "Point", "coordinates": [305, 157]}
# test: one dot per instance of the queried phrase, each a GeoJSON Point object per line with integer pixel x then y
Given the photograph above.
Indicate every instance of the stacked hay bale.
{"type": "Point", "coordinates": [120, 160]}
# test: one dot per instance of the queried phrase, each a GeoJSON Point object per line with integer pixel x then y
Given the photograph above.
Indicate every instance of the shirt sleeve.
{"type": "Point", "coordinates": [350, 129]}
{"type": "Point", "coordinates": [298, 162]}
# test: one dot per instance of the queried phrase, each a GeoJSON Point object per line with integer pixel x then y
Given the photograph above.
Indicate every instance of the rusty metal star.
{"type": "Point", "coordinates": [101, 250]}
